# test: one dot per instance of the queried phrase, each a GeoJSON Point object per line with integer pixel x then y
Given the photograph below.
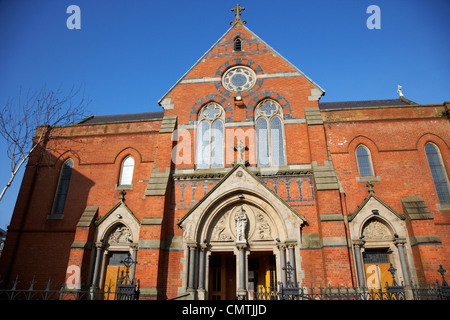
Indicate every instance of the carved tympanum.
{"type": "Point", "coordinates": [375, 229]}
{"type": "Point", "coordinates": [120, 234]}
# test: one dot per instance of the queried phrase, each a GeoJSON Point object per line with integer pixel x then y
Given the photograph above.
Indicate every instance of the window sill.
{"type": "Point", "coordinates": [443, 207]}
{"type": "Point", "coordinates": [367, 178]}
{"type": "Point", "coordinates": [124, 187]}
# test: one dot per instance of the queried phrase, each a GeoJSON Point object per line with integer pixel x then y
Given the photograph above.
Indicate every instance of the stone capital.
{"type": "Point", "coordinates": [99, 245]}
{"type": "Point", "coordinates": [192, 245]}
{"type": "Point", "coordinates": [291, 244]}
{"type": "Point", "coordinates": [400, 242]}
{"type": "Point", "coordinates": [241, 246]}
{"type": "Point", "coordinates": [359, 243]}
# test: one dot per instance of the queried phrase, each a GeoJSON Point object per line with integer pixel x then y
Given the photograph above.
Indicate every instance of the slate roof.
{"type": "Point", "coordinates": [123, 117]}
{"type": "Point", "coordinates": [366, 103]}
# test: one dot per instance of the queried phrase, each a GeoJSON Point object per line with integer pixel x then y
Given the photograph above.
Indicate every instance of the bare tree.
{"type": "Point", "coordinates": [19, 122]}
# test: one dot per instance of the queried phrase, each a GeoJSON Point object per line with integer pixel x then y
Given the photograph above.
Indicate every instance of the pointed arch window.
{"type": "Point", "coordinates": [210, 137]}
{"type": "Point", "coordinates": [63, 188]}
{"type": "Point", "coordinates": [126, 172]}
{"type": "Point", "coordinates": [270, 134]}
{"type": "Point", "coordinates": [438, 173]}
{"type": "Point", "coordinates": [364, 161]}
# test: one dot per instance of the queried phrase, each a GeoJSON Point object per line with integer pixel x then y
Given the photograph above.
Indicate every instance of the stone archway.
{"type": "Point", "coordinates": [117, 234]}
{"type": "Point", "coordinates": [380, 238]}
{"type": "Point", "coordinates": [213, 227]}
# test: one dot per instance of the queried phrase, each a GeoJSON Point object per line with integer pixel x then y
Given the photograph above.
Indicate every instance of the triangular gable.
{"type": "Point", "coordinates": [118, 214]}
{"type": "Point", "coordinates": [221, 39]}
{"type": "Point", "coordinates": [366, 200]}
{"type": "Point", "coordinates": [225, 179]}
{"type": "Point", "coordinates": [113, 209]}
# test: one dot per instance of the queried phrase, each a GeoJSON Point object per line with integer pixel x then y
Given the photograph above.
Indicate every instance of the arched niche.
{"type": "Point", "coordinates": [263, 227]}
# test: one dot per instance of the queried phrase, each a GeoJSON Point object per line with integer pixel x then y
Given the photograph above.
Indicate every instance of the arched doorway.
{"type": "Point", "coordinates": [117, 236]}
{"type": "Point", "coordinates": [116, 249]}
{"type": "Point", "coordinates": [239, 230]}
{"type": "Point", "coordinates": [380, 238]}
{"type": "Point", "coordinates": [241, 242]}
{"type": "Point", "coordinates": [377, 256]}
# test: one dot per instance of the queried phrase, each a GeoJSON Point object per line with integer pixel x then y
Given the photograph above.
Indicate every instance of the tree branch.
{"type": "Point", "coordinates": [19, 122]}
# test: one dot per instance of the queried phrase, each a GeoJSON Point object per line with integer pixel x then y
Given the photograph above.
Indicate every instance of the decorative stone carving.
{"type": "Point", "coordinates": [219, 233]}
{"type": "Point", "coordinates": [241, 225]}
{"type": "Point", "coordinates": [187, 231]}
{"type": "Point", "coordinates": [263, 230]}
{"type": "Point", "coordinates": [120, 234]}
{"type": "Point", "coordinates": [376, 230]}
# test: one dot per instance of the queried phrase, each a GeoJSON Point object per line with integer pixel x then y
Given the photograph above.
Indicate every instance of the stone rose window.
{"type": "Point", "coordinates": [238, 79]}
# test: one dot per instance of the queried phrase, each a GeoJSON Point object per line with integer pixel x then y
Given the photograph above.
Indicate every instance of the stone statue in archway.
{"type": "Point", "coordinates": [241, 224]}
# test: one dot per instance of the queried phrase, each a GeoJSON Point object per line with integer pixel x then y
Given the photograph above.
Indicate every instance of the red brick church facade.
{"type": "Point", "coordinates": [243, 171]}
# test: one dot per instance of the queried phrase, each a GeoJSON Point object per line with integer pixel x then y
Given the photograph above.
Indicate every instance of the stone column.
{"type": "Point", "coordinates": [99, 249]}
{"type": "Point", "coordinates": [242, 288]}
{"type": "Point", "coordinates": [400, 243]}
{"type": "Point", "coordinates": [291, 248]}
{"type": "Point", "coordinates": [191, 271]}
{"type": "Point", "coordinates": [201, 275]}
{"type": "Point", "coordinates": [91, 264]}
{"type": "Point", "coordinates": [282, 248]}
{"type": "Point", "coordinates": [358, 244]}
{"type": "Point", "coordinates": [134, 247]}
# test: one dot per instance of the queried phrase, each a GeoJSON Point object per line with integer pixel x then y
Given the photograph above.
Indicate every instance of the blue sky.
{"type": "Point", "coordinates": [128, 54]}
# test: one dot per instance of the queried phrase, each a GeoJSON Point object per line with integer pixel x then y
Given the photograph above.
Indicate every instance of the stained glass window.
{"type": "Point", "coordinates": [438, 173]}
{"type": "Point", "coordinates": [269, 134]}
{"type": "Point", "coordinates": [262, 136]}
{"type": "Point", "coordinates": [277, 141]}
{"type": "Point", "coordinates": [364, 162]}
{"type": "Point", "coordinates": [210, 137]}
{"type": "Point", "coordinates": [217, 148]}
{"type": "Point", "coordinates": [63, 187]}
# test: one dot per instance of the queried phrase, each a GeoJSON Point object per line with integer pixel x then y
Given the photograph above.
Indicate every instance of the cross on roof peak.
{"type": "Point", "coordinates": [237, 11]}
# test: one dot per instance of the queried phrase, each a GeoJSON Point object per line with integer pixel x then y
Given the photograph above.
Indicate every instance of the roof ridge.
{"type": "Point", "coordinates": [360, 100]}
{"type": "Point", "coordinates": [139, 116]}
{"type": "Point", "coordinates": [127, 114]}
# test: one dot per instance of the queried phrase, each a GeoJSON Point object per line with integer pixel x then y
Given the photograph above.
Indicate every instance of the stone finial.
{"type": "Point", "coordinates": [237, 13]}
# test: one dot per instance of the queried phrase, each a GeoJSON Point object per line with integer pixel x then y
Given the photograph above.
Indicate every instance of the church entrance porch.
{"type": "Point", "coordinates": [262, 274]}
{"type": "Point", "coordinates": [240, 235]}
{"type": "Point", "coordinates": [222, 276]}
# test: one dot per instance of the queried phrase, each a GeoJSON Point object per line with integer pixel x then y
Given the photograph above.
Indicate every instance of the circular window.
{"type": "Point", "coordinates": [239, 79]}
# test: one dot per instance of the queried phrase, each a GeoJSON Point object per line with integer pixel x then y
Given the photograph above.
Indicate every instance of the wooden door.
{"type": "Point", "coordinates": [230, 265]}
{"type": "Point", "coordinates": [112, 274]}
{"type": "Point", "coordinates": [114, 270]}
{"type": "Point", "coordinates": [222, 277]}
{"type": "Point", "coordinates": [376, 265]}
